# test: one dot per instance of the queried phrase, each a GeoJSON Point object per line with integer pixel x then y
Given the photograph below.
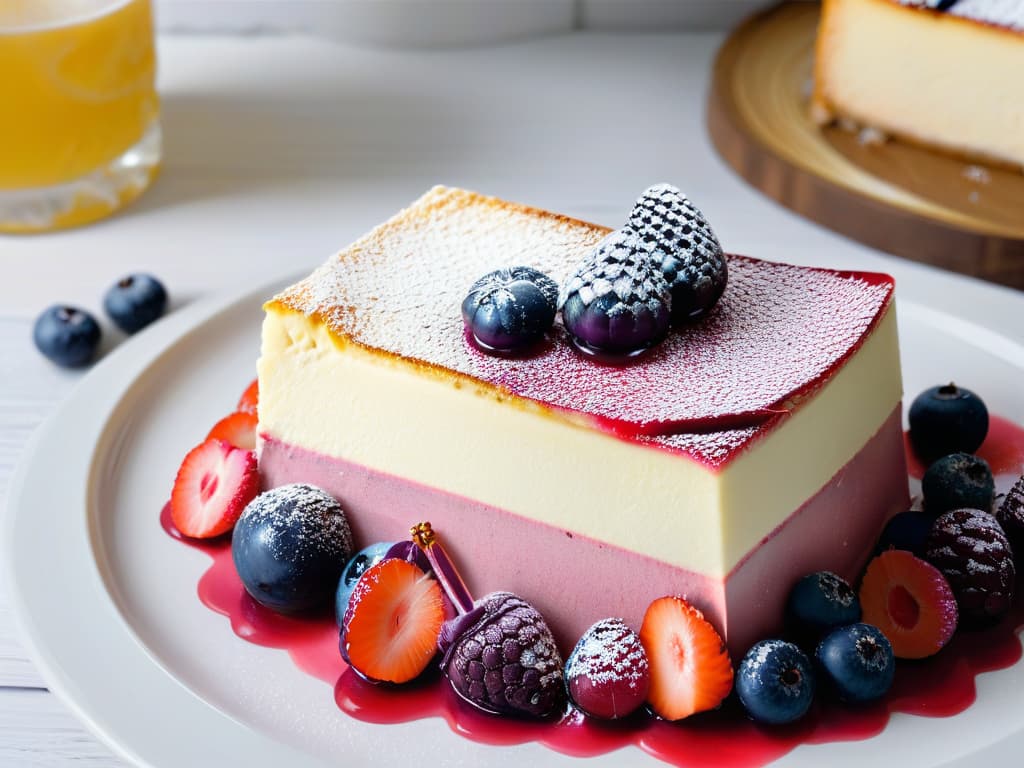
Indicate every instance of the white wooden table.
{"type": "Point", "coordinates": [279, 151]}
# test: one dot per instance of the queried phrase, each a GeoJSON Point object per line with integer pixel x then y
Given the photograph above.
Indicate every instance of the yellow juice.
{"type": "Point", "coordinates": [76, 87]}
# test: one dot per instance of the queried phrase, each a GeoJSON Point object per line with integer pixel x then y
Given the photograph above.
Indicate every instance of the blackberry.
{"type": "Point", "coordinates": [974, 555]}
{"type": "Point", "coordinates": [1011, 516]}
{"type": "Point", "coordinates": [502, 658]}
{"type": "Point", "coordinates": [682, 244]}
{"type": "Point", "coordinates": [617, 301]}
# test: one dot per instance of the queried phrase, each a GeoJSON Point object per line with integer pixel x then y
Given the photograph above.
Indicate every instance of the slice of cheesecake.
{"type": "Point", "coordinates": [742, 453]}
{"type": "Point", "coordinates": [949, 79]}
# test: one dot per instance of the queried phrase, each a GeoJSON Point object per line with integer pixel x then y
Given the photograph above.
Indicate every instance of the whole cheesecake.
{"type": "Point", "coordinates": [942, 74]}
{"type": "Point", "coordinates": [753, 447]}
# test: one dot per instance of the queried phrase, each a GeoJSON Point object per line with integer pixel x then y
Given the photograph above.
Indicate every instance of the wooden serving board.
{"type": "Point", "coordinates": [897, 197]}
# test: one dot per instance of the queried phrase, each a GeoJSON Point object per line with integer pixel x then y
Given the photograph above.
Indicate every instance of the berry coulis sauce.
{"type": "Point", "coordinates": [937, 687]}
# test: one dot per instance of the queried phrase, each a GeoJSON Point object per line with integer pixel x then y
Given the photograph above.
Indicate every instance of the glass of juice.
{"type": "Point", "coordinates": [79, 115]}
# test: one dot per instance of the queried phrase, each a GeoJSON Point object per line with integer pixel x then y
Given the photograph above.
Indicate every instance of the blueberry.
{"type": "Point", "coordinates": [907, 531]}
{"type": "Point", "coordinates": [958, 481]}
{"type": "Point", "coordinates": [290, 546]}
{"type": "Point", "coordinates": [858, 661]}
{"type": "Point", "coordinates": [135, 301]}
{"type": "Point", "coordinates": [360, 561]}
{"type": "Point", "coordinates": [68, 336]}
{"type": "Point", "coordinates": [511, 309]}
{"type": "Point", "coordinates": [775, 682]}
{"type": "Point", "coordinates": [947, 419]}
{"type": "Point", "coordinates": [617, 302]}
{"type": "Point", "coordinates": [821, 601]}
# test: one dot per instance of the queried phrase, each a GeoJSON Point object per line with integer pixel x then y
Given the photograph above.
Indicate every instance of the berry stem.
{"type": "Point", "coordinates": [444, 569]}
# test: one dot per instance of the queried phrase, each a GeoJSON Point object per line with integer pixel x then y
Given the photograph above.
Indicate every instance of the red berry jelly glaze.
{"type": "Point", "coordinates": [936, 687]}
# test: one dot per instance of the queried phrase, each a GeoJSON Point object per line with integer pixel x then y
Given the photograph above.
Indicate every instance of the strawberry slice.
{"type": "Point", "coordinates": [238, 429]}
{"type": "Point", "coordinates": [213, 486]}
{"type": "Point", "coordinates": [393, 621]}
{"type": "Point", "coordinates": [250, 398]}
{"type": "Point", "coordinates": [690, 667]}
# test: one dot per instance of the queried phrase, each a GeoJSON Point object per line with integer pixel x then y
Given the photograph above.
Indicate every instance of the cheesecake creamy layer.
{"type": "Point", "coordinates": [649, 495]}
{"type": "Point", "coordinates": [575, 579]}
{"type": "Point", "coordinates": [951, 80]}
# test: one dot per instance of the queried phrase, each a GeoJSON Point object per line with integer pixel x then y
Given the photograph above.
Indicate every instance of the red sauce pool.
{"type": "Point", "coordinates": [936, 687]}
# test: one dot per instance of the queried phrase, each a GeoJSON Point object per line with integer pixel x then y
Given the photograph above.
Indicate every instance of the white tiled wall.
{"type": "Point", "coordinates": [444, 22]}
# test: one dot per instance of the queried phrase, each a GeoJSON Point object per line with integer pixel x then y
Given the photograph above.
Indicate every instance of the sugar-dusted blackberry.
{"type": "Point", "coordinates": [958, 481]}
{"type": "Point", "coordinates": [974, 555]}
{"type": "Point", "coordinates": [502, 658]}
{"type": "Point", "coordinates": [617, 301]}
{"type": "Point", "coordinates": [510, 309]}
{"type": "Point", "coordinates": [1011, 516]}
{"type": "Point", "coordinates": [685, 248]}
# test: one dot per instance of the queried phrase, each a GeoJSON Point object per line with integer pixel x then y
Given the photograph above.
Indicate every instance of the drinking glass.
{"type": "Point", "coordinates": [79, 115]}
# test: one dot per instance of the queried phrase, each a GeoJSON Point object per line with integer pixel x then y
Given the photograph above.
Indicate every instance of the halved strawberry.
{"type": "Point", "coordinates": [213, 486]}
{"type": "Point", "coordinates": [690, 666]}
{"type": "Point", "coordinates": [392, 623]}
{"type": "Point", "coordinates": [238, 429]}
{"type": "Point", "coordinates": [910, 601]}
{"type": "Point", "coordinates": [250, 399]}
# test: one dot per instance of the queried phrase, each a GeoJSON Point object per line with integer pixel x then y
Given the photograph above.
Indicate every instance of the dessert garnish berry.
{"type": "Point", "coordinates": [290, 546]}
{"type": "Point", "coordinates": [1011, 516]}
{"type": "Point", "coordinates": [607, 674]}
{"type": "Point", "coordinates": [907, 531]}
{"type": "Point", "coordinates": [135, 301]}
{"type": "Point", "coordinates": [958, 481]}
{"type": "Point", "coordinates": [974, 555]}
{"type": "Point", "coordinates": [947, 419]}
{"type": "Point", "coordinates": [911, 602]}
{"type": "Point", "coordinates": [858, 662]}
{"type": "Point", "coordinates": [690, 666]}
{"type": "Point", "coordinates": [617, 302]}
{"type": "Point", "coordinates": [682, 244]}
{"type": "Point", "coordinates": [67, 336]}
{"type": "Point", "coordinates": [509, 310]}
{"type": "Point", "coordinates": [499, 653]}
{"type": "Point", "coordinates": [775, 682]}
{"type": "Point", "coordinates": [357, 565]}
{"type": "Point", "coordinates": [820, 601]}
{"type": "Point", "coordinates": [249, 401]}
{"type": "Point", "coordinates": [238, 429]}
{"type": "Point", "coordinates": [394, 616]}
{"type": "Point", "coordinates": [214, 484]}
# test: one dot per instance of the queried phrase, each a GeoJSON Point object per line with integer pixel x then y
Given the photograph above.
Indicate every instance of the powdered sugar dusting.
{"type": "Point", "coordinates": [777, 333]}
{"type": "Point", "coordinates": [305, 520]}
{"type": "Point", "coordinates": [609, 652]}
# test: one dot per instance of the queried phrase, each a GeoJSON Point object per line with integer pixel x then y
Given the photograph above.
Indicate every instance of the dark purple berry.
{"type": "Point", "coordinates": [510, 309]}
{"type": "Point", "coordinates": [617, 302]}
{"type": "Point", "coordinates": [858, 661]}
{"type": "Point", "coordinates": [775, 682]}
{"type": "Point", "coordinates": [290, 546]}
{"type": "Point", "coordinates": [958, 481]}
{"type": "Point", "coordinates": [502, 658]}
{"type": "Point", "coordinates": [973, 553]}
{"type": "Point", "coordinates": [681, 242]}
{"type": "Point", "coordinates": [947, 419]}
{"type": "Point", "coordinates": [607, 674]}
{"type": "Point", "coordinates": [1011, 516]}
{"type": "Point", "coordinates": [67, 336]}
{"type": "Point", "coordinates": [907, 531]}
{"type": "Point", "coordinates": [821, 601]}
{"type": "Point", "coordinates": [135, 301]}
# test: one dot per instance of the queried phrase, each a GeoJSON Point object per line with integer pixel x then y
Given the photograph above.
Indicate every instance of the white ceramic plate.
{"type": "Point", "coordinates": [107, 601]}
